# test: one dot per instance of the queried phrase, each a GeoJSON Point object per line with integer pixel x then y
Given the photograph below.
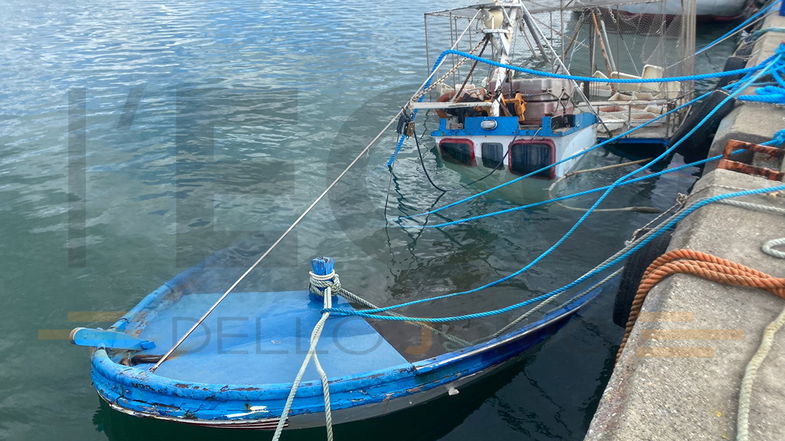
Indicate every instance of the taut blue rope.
{"type": "Point", "coordinates": [547, 167]}
{"type": "Point", "coordinates": [741, 26]}
{"type": "Point", "coordinates": [571, 77]}
{"type": "Point", "coordinates": [572, 284]}
{"type": "Point", "coordinates": [727, 73]}
{"type": "Point", "coordinates": [574, 195]}
{"type": "Point", "coordinates": [731, 87]}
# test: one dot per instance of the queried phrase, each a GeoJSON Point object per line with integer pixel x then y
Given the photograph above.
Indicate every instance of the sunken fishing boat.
{"type": "Point", "coordinates": [500, 123]}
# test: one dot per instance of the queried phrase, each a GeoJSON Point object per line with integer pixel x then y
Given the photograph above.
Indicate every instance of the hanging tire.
{"type": "Point", "coordinates": [632, 273]}
{"type": "Point", "coordinates": [696, 146]}
{"type": "Point", "coordinates": [733, 62]}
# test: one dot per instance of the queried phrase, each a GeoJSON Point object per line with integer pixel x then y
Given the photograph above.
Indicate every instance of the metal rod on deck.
{"type": "Point", "coordinates": [536, 37]}
{"type": "Point", "coordinates": [603, 49]}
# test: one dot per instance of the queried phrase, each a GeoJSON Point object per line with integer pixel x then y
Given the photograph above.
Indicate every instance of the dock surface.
{"type": "Point", "coordinates": [680, 373]}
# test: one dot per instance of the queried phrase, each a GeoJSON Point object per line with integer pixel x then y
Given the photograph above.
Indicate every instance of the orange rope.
{"type": "Point", "coordinates": [703, 265]}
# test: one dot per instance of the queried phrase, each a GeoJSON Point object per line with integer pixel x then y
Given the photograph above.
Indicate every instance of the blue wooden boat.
{"type": "Point", "coordinates": [238, 364]}
{"type": "Point", "coordinates": [237, 369]}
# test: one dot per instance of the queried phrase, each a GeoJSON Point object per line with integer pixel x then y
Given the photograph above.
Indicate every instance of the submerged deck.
{"type": "Point", "coordinates": [262, 338]}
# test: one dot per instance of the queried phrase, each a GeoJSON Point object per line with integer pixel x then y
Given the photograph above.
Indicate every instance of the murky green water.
{"type": "Point", "coordinates": [209, 123]}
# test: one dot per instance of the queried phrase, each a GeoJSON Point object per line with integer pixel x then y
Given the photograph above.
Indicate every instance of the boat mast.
{"type": "Point", "coordinates": [502, 22]}
{"type": "Point", "coordinates": [688, 35]}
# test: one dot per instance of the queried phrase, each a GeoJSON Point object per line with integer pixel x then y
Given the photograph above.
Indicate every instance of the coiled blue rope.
{"type": "Point", "coordinates": [769, 94]}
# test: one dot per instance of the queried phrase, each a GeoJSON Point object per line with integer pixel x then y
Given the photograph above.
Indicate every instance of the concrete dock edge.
{"type": "Point", "coordinates": [680, 373]}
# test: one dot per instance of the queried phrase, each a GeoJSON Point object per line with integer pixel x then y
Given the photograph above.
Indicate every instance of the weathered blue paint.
{"type": "Point", "coordinates": [508, 126]}
{"type": "Point", "coordinates": [101, 338]}
{"type": "Point", "coordinates": [210, 384]}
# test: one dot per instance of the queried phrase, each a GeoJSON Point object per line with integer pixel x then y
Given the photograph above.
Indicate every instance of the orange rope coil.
{"type": "Point", "coordinates": [703, 265]}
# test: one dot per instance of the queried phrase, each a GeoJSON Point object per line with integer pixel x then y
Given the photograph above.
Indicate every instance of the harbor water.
{"type": "Point", "coordinates": [137, 137]}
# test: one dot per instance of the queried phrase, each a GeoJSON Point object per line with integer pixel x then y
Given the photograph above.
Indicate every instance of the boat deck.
{"type": "Point", "coordinates": [262, 338]}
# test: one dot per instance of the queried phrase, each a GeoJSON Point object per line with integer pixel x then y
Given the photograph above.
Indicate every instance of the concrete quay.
{"type": "Point", "coordinates": [680, 374]}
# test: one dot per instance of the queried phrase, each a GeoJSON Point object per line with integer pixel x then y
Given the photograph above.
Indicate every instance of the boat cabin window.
{"type": "Point", "coordinates": [458, 151]}
{"type": "Point", "coordinates": [527, 156]}
{"type": "Point", "coordinates": [492, 155]}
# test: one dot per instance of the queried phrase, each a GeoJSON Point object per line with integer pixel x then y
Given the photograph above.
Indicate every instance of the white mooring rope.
{"type": "Point", "coordinates": [751, 371]}
{"type": "Point", "coordinates": [315, 334]}
{"type": "Point", "coordinates": [769, 248]}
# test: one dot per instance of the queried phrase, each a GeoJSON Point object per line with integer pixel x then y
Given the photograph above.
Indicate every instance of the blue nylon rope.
{"type": "Point", "coordinates": [741, 25]}
{"type": "Point", "coordinates": [403, 137]}
{"type": "Point", "coordinates": [575, 78]}
{"type": "Point", "coordinates": [769, 94]}
{"type": "Point", "coordinates": [762, 70]}
{"type": "Point", "coordinates": [574, 195]}
{"type": "Point", "coordinates": [778, 140]}
{"type": "Point", "coordinates": [730, 87]}
{"type": "Point", "coordinates": [572, 284]}
{"type": "Point", "coordinates": [727, 73]}
{"type": "Point", "coordinates": [583, 152]}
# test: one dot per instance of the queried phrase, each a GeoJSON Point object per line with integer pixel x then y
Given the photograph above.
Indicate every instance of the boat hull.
{"type": "Point", "coordinates": [554, 141]}
{"type": "Point", "coordinates": [720, 10]}
{"type": "Point", "coordinates": [136, 391]}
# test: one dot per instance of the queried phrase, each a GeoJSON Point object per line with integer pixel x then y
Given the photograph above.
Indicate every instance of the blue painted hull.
{"type": "Point", "coordinates": [362, 384]}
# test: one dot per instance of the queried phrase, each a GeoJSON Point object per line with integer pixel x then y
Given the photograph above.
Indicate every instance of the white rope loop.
{"type": "Point", "coordinates": [327, 281]}
{"type": "Point", "coordinates": [769, 248]}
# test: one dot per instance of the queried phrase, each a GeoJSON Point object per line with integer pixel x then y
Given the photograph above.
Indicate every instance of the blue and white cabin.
{"type": "Point", "coordinates": [519, 125]}
{"type": "Point", "coordinates": [491, 117]}
{"type": "Point", "coordinates": [542, 128]}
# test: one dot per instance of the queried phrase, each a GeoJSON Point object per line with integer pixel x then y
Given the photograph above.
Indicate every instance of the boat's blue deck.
{"type": "Point", "coordinates": [262, 338]}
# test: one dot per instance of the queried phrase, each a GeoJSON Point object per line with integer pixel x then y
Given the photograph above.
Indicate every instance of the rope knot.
{"type": "Point", "coordinates": [317, 281]}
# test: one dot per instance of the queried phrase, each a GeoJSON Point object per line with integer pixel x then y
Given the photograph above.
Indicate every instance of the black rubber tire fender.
{"type": "Point", "coordinates": [632, 273]}
{"type": "Point", "coordinates": [696, 146]}
{"type": "Point", "coordinates": [732, 63]}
